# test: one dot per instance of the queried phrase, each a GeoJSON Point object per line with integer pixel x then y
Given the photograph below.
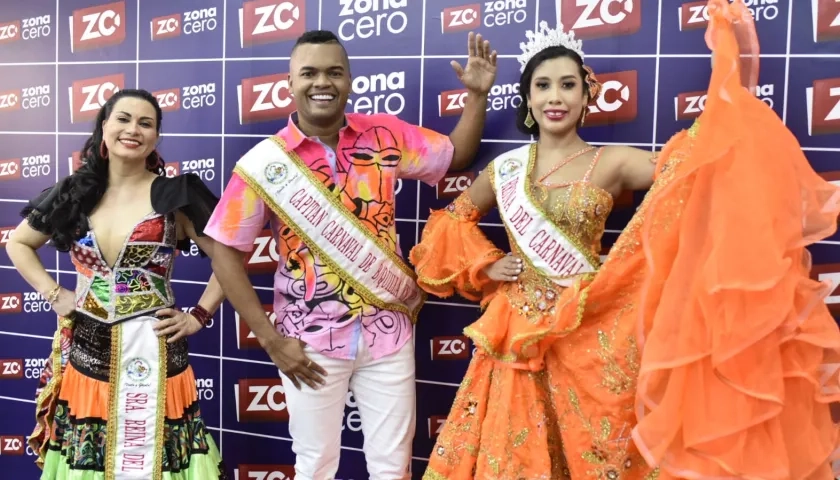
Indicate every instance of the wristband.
{"type": "Point", "coordinates": [53, 295]}
{"type": "Point", "coordinates": [201, 314]}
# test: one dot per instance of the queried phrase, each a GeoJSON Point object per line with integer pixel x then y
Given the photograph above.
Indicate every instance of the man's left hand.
{"type": "Point", "coordinates": [480, 73]}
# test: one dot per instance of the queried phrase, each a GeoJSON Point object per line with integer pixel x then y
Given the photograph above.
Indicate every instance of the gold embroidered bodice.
{"type": "Point", "coordinates": [580, 209]}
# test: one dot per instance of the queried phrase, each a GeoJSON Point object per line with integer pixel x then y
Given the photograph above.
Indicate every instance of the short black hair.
{"type": "Point", "coordinates": [319, 37]}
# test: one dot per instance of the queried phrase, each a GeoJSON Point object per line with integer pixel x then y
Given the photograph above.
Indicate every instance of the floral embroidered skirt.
{"type": "Point", "coordinates": [76, 448]}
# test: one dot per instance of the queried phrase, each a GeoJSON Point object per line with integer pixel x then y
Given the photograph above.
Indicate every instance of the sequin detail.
{"type": "Point", "coordinates": [138, 283]}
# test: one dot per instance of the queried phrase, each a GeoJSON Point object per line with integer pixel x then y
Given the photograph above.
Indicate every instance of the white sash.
{"type": "Point", "coordinates": [329, 229]}
{"type": "Point", "coordinates": [545, 244]}
{"type": "Point", "coordinates": [135, 423]}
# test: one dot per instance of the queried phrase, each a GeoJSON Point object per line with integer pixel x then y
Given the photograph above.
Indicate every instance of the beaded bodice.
{"type": "Point", "coordinates": [580, 209]}
{"type": "Point", "coordinates": [139, 280]}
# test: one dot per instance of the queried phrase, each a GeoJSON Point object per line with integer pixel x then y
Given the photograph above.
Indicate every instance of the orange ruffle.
{"type": "Point", "coordinates": [453, 253]}
{"type": "Point", "coordinates": [736, 372]}
{"type": "Point", "coordinates": [87, 397]}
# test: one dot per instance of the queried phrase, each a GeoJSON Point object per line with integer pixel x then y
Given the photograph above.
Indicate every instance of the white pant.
{"type": "Point", "coordinates": [384, 390]}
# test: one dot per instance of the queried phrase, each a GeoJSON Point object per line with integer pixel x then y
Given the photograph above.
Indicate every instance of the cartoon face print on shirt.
{"type": "Point", "coordinates": [371, 172]}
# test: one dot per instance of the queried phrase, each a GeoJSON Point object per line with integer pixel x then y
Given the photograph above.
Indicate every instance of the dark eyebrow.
{"type": "Point", "coordinates": [141, 118]}
{"type": "Point", "coordinates": [334, 67]}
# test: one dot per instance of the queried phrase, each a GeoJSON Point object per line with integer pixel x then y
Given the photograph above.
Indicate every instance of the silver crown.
{"type": "Point", "coordinates": [547, 37]}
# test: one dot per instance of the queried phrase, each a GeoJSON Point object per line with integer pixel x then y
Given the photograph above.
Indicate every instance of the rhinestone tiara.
{"type": "Point", "coordinates": [547, 37]}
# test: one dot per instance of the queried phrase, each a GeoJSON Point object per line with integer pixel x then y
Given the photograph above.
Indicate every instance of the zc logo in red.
{"type": "Point", "coordinates": [268, 21]}
{"type": "Point", "coordinates": [456, 347]}
{"type": "Point", "coordinates": [827, 20]}
{"type": "Point", "coordinates": [172, 169]}
{"type": "Point", "coordinates": [453, 184]}
{"type": "Point", "coordinates": [451, 102]}
{"type": "Point", "coordinates": [169, 100]}
{"type": "Point", "coordinates": [89, 95]}
{"type": "Point", "coordinates": [601, 18]}
{"type": "Point", "coordinates": [166, 27]}
{"type": "Point", "coordinates": [265, 98]}
{"type": "Point", "coordinates": [10, 169]}
{"type": "Point", "coordinates": [693, 15]}
{"type": "Point", "coordinates": [618, 102]}
{"type": "Point", "coordinates": [11, 368]}
{"type": "Point", "coordinates": [436, 424]}
{"type": "Point", "coordinates": [11, 302]}
{"type": "Point", "coordinates": [5, 235]}
{"type": "Point", "coordinates": [9, 32]}
{"type": "Point", "coordinates": [824, 104]}
{"type": "Point", "coordinates": [98, 26]}
{"type": "Point", "coordinates": [261, 400]}
{"type": "Point", "coordinates": [690, 105]}
{"type": "Point", "coordinates": [246, 338]}
{"type": "Point", "coordinates": [266, 472]}
{"type": "Point", "coordinates": [458, 19]}
{"type": "Point", "coordinates": [12, 445]}
{"type": "Point", "coordinates": [10, 100]}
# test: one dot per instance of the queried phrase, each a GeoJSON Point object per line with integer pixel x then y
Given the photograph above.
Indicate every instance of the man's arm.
{"type": "Point", "coordinates": [478, 76]}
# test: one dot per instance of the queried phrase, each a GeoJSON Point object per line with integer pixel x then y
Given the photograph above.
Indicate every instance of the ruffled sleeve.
{"type": "Point", "coordinates": [453, 253]}
{"type": "Point", "coordinates": [37, 210]}
{"type": "Point", "coordinates": [189, 195]}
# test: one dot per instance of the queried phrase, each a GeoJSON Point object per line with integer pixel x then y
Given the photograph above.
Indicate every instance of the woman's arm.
{"type": "Point", "coordinates": [21, 248]}
{"type": "Point", "coordinates": [180, 324]}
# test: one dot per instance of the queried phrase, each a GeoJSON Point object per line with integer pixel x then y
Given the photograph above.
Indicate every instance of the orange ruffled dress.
{"type": "Point", "coordinates": [701, 347]}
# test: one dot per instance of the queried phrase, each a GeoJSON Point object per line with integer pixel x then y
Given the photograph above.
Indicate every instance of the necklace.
{"type": "Point", "coordinates": [563, 163]}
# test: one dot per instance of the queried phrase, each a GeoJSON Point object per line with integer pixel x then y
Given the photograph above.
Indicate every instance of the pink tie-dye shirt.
{"type": "Point", "coordinates": [311, 302]}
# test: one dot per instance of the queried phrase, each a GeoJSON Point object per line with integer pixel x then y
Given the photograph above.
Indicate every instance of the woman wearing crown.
{"type": "Point", "coordinates": [699, 348]}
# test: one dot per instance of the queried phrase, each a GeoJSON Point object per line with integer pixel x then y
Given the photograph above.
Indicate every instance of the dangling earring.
{"type": "Point", "coordinates": [583, 117]}
{"type": "Point", "coordinates": [529, 120]}
{"type": "Point", "coordinates": [103, 150]}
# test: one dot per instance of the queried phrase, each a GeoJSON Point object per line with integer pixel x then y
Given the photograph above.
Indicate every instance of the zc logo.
{"type": "Point", "coordinates": [457, 19]}
{"type": "Point", "coordinates": [693, 15]}
{"type": "Point", "coordinates": [453, 184]}
{"type": "Point", "coordinates": [11, 368]}
{"type": "Point", "coordinates": [601, 18]}
{"type": "Point", "coordinates": [169, 100]}
{"type": "Point", "coordinates": [245, 338]}
{"type": "Point", "coordinates": [455, 347]}
{"type": "Point", "coordinates": [87, 96]}
{"type": "Point", "coordinates": [618, 102]}
{"type": "Point", "coordinates": [265, 472]}
{"type": "Point", "coordinates": [269, 21]}
{"type": "Point", "coordinates": [11, 302]}
{"type": "Point", "coordinates": [823, 102]}
{"type": "Point", "coordinates": [9, 32]}
{"type": "Point", "coordinates": [97, 26]}
{"type": "Point", "coordinates": [451, 102]}
{"type": "Point", "coordinates": [826, 20]}
{"type": "Point", "coordinates": [10, 169]}
{"type": "Point", "coordinates": [829, 273]}
{"type": "Point", "coordinates": [436, 424]}
{"type": "Point", "coordinates": [265, 98]}
{"type": "Point", "coordinates": [260, 400]}
{"type": "Point", "coordinates": [5, 235]}
{"type": "Point", "coordinates": [689, 105]}
{"type": "Point", "coordinates": [12, 445]}
{"type": "Point", "coordinates": [10, 100]}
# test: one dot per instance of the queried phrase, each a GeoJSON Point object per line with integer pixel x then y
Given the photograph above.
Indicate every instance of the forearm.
{"type": "Point", "coordinates": [229, 269]}
{"type": "Point", "coordinates": [28, 264]}
{"type": "Point", "coordinates": [213, 296]}
{"type": "Point", "coordinates": [466, 137]}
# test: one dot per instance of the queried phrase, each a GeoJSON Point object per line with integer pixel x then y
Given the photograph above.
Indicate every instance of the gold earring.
{"type": "Point", "coordinates": [583, 117]}
{"type": "Point", "coordinates": [529, 120]}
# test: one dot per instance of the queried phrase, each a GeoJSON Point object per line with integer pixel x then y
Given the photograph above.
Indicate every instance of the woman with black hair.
{"type": "Point", "coordinates": [118, 398]}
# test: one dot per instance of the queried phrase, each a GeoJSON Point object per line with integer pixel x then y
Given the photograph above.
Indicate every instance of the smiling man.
{"type": "Point", "coordinates": [345, 299]}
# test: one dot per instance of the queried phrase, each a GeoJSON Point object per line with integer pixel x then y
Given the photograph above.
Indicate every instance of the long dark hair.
{"type": "Point", "coordinates": [77, 195]}
{"type": "Point", "coordinates": [528, 74]}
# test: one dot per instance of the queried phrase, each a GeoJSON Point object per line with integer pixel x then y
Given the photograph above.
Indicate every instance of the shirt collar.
{"type": "Point", "coordinates": [293, 137]}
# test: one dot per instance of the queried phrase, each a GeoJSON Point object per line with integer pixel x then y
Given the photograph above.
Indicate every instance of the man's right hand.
{"type": "Point", "coordinates": [287, 354]}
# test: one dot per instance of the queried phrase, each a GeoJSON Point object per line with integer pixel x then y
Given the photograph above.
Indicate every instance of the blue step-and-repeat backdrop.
{"type": "Point", "coordinates": [219, 69]}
